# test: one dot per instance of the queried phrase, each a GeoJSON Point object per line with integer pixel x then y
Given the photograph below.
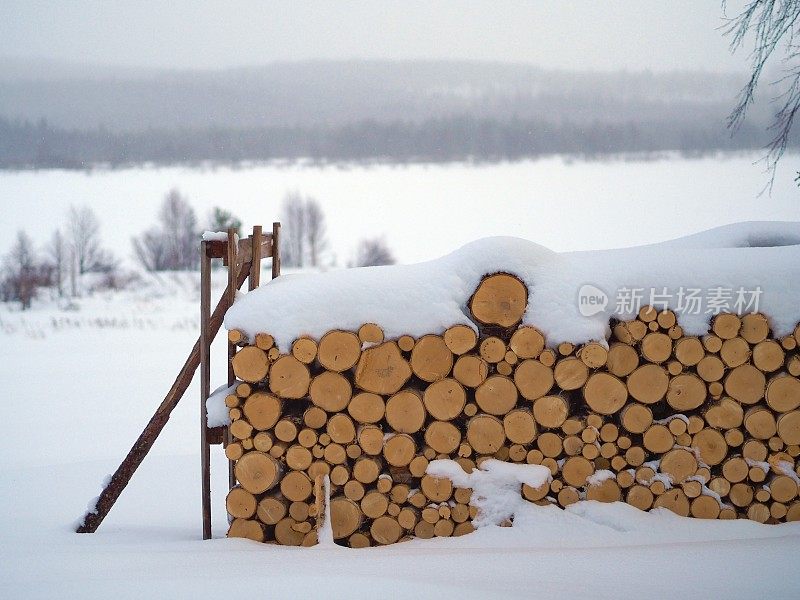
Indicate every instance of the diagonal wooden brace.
{"type": "Point", "coordinates": [121, 477]}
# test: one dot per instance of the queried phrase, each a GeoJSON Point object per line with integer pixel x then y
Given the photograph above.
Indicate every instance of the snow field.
{"type": "Point", "coordinates": [80, 386]}
{"type": "Point", "coordinates": [426, 211]}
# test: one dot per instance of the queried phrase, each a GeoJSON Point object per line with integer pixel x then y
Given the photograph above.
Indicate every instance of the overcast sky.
{"type": "Point", "coordinates": [585, 34]}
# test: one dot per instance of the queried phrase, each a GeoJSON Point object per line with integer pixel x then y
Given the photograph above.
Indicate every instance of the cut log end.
{"type": "Point", "coordinates": [499, 300]}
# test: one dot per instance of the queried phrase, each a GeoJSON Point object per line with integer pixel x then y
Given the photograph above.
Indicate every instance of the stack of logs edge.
{"type": "Point", "coordinates": [707, 427]}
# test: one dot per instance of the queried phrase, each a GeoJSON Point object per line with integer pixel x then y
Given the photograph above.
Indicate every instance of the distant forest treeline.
{"type": "Point", "coordinates": [73, 117]}
{"type": "Point", "coordinates": [26, 145]}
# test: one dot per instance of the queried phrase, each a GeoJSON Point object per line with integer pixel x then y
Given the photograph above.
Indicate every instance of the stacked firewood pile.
{"type": "Point", "coordinates": [704, 426]}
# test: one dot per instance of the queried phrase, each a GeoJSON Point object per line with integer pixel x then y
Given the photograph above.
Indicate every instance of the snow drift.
{"type": "Point", "coordinates": [758, 258]}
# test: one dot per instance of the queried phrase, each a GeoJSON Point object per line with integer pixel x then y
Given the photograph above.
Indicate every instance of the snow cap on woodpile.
{"type": "Point", "coordinates": [432, 296]}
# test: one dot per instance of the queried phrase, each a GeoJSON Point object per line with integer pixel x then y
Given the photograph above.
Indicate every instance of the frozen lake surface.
{"type": "Point", "coordinates": [425, 210]}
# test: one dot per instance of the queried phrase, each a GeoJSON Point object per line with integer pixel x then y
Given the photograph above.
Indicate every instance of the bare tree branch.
{"type": "Point", "coordinates": [315, 231]}
{"type": "Point", "coordinates": [57, 254]}
{"type": "Point", "coordinates": [773, 26]}
{"type": "Point", "coordinates": [21, 272]}
{"type": "Point", "coordinates": [173, 244]}
{"type": "Point", "coordinates": [303, 231]}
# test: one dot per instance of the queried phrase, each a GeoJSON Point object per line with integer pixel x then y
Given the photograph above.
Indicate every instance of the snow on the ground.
{"type": "Point", "coordinates": [78, 392]}
{"type": "Point", "coordinates": [150, 548]}
{"type": "Point", "coordinates": [81, 381]}
{"type": "Point", "coordinates": [429, 297]}
{"type": "Point", "coordinates": [426, 210]}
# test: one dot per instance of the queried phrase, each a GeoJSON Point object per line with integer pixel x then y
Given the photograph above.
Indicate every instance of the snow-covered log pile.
{"type": "Point", "coordinates": [702, 419]}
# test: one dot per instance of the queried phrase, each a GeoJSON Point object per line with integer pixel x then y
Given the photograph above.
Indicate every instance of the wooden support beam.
{"type": "Point", "coordinates": [216, 435]}
{"type": "Point", "coordinates": [234, 251]}
{"type": "Point", "coordinates": [231, 289]}
{"type": "Point", "coordinates": [255, 263]}
{"type": "Point", "coordinates": [276, 249]}
{"type": "Point", "coordinates": [219, 248]}
{"type": "Point", "coordinates": [122, 476]}
{"type": "Point", "coordinates": [205, 388]}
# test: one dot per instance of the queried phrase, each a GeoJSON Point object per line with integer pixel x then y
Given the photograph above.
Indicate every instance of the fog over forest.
{"type": "Point", "coordinates": [74, 116]}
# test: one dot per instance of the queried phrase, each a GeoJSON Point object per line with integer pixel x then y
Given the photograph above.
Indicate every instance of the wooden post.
{"type": "Point", "coordinates": [255, 264]}
{"type": "Point", "coordinates": [276, 249]}
{"type": "Point", "coordinates": [231, 292]}
{"type": "Point", "coordinates": [205, 385]}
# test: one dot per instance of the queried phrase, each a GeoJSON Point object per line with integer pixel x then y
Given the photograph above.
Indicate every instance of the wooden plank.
{"type": "Point", "coordinates": [122, 476]}
{"type": "Point", "coordinates": [219, 249]}
{"type": "Point", "coordinates": [266, 245]}
{"type": "Point", "coordinates": [215, 435]}
{"type": "Point", "coordinates": [215, 248]}
{"type": "Point", "coordinates": [205, 389]}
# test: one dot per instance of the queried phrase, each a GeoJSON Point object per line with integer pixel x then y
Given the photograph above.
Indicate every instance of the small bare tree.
{"type": "Point", "coordinates": [83, 230]}
{"type": "Point", "coordinates": [304, 231]}
{"type": "Point", "coordinates": [21, 271]}
{"type": "Point", "coordinates": [173, 244]}
{"type": "Point", "coordinates": [180, 226]}
{"type": "Point", "coordinates": [773, 26]}
{"type": "Point", "coordinates": [315, 231]}
{"type": "Point", "coordinates": [83, 239]}
{"type": "Point", "coordinates": [374, 252]}
{"type": "Point", "coordinates": [293, 230]}
{"type": "Point", "coordinates": [151, 250]}
{"type": "Point", "coordinates": [57, 254]}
